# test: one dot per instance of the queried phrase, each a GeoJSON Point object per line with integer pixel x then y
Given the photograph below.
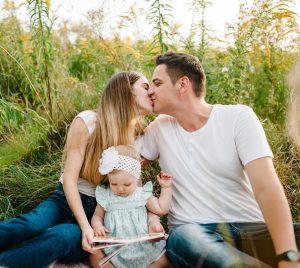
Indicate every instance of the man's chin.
{"type": "Point", "coordinates": [156, 110]}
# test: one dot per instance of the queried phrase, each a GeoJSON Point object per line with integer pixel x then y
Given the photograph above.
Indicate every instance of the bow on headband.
{"type": "Point", "coordinates": [111, 159]}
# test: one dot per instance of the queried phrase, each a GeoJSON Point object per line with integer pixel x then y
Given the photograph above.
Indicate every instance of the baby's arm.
{"type": "Point", "coordinates": [97, 222]}
{"type": "Point", "coordinates": [161, 205]}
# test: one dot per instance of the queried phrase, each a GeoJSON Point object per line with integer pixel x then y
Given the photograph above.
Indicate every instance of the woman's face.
{"type": "Point", "coordinates": [140, 90]}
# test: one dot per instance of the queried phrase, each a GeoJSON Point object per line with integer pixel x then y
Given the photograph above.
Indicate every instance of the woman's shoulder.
{"type": "Point", "coordinates": [87, 115]}
{"type": "Point", "coordinates": [89, 118]}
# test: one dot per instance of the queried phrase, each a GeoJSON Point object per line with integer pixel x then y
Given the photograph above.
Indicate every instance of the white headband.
{"type": "Point", "coordinates": [112, 160]}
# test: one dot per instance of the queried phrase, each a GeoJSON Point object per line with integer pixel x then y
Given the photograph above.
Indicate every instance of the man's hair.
{"type": "Point", "coordinates": [182, 64]}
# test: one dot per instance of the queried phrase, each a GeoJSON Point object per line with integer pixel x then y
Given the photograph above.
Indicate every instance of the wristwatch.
{"type": "Point", "coordinates": [290, 255]}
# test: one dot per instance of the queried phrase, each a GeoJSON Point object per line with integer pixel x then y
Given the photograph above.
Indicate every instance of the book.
{"type": "Point", "coordinates": [120, 244]}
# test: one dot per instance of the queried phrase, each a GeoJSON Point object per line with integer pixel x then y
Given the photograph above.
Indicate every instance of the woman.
{"type": "Point", "coordinates": [54, 229]}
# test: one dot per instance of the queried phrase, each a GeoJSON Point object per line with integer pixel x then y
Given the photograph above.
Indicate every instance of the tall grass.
{"type": "Point", "coordinates": [250, 71]}
{"type": "Point", "coordinates": [25, 184]}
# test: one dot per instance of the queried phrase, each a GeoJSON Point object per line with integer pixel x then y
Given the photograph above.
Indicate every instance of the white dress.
{"type": "Point", "coordinates": [127, 217]}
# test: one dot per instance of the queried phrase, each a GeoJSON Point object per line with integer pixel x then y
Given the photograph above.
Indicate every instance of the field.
{"type": "Point", "coordinates": [46, 78]}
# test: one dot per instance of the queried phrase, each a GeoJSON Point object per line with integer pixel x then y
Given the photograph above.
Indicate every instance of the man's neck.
{"type": "Point", "coordinates": [193, 115]}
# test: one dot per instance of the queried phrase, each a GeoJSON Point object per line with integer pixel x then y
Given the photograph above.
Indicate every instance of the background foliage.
{"type": "Point", "coordinates": [46, 77]}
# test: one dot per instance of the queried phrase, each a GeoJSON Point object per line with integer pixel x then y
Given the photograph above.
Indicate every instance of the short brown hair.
{"type": "Point", "coordinates": [182, 64]}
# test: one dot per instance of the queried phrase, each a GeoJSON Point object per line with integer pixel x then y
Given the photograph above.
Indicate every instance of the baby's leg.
{"type": "Point", "coordinates": [162, 262]}
{"type": "Point", "coordinates": [96, 257]}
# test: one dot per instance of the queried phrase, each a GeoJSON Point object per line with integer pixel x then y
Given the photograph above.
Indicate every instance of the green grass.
{"type": "Point", "coordinates": [24, 185]}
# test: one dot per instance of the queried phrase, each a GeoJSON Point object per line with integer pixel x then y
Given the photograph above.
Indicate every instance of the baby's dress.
{"type": "Point", "coordinates": [127, 217]}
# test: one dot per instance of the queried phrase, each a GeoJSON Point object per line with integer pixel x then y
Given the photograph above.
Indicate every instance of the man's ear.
{"type": "Point", "coordinates": [184, 84]}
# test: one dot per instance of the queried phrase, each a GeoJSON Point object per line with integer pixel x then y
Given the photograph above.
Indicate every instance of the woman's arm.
{"type": "Point", "coordinates": [77, 140]}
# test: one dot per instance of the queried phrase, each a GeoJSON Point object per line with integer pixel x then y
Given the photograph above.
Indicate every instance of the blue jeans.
{"type": "Point", "coordinates": [222, 245]}
{"type": "Point", "coordinates": [47, 233]}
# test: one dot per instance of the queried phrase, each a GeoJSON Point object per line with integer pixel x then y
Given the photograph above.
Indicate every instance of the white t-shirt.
{"type": "Point", "coordinates": [89, 118]}
{"type": "Point", "coordinates": [209, 184]}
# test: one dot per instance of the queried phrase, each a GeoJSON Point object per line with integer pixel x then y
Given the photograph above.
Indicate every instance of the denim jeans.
{"type": "Point", "coordinates": [47, 233]}
{"type": "Point", "coordinates": [222, 245]}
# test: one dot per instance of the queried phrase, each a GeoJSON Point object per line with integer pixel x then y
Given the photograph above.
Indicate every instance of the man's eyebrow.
{"type": "Point", "coordinates": [156, 80]}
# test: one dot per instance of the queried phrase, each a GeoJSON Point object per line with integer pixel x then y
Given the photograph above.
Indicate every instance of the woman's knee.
{"type": "Point", "coordinates": [67, 233]}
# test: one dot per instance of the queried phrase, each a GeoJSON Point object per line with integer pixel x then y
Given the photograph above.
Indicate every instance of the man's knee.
{"type": "Point", "coordinates": [184, 245]}
{"type": "Point", "coordinates": [186, 234]}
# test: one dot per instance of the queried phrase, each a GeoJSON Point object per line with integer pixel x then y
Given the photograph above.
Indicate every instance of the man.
{"type": "Point", "coordinates": [218, 213]}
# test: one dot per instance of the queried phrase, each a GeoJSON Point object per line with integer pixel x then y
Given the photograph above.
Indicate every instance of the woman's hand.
{"type": "Point", "coordinates": [87, 239]}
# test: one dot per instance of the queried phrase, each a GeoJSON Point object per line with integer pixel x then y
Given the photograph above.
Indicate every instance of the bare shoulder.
{"type": "Point", "coordinates": [78, 134]}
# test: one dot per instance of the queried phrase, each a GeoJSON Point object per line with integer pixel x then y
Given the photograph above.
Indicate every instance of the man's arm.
{"type": "Point", "coordinates": [271, 198]}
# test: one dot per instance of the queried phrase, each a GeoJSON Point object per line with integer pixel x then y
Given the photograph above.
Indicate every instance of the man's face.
{"type": "Point", "coordinates": [162, 91]}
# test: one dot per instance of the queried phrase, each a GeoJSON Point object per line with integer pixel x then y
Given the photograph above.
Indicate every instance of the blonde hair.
{"type": "Point", "coordinates": [115, 116]}
{"type": "Point", "coordinates": [293, 119]}
{"type": "Point", "coordinates": [128, 150]}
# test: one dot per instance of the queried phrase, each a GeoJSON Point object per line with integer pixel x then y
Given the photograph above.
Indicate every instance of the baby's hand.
{"type": "Point", "coordinates": [164, 180]}
{"type": "Point", "coordinates": [101, 230]}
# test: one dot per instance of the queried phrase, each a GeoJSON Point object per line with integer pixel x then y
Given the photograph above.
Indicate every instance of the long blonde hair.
{"type": "Point", "coordinates": [293, 119]}
{"type": "Point", "coordinates": [115, 116]}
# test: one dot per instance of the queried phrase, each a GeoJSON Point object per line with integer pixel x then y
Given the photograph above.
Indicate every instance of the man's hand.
{"type": "Point", "coordinates": [164, 179]}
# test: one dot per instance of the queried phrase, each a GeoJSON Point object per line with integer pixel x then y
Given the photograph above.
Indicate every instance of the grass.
{"type": "Point", "coordinates": [25, 184]}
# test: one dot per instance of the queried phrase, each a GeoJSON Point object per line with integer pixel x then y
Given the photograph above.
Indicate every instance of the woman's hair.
{"type": "Point", "coordinates": [128, 150]}
{"type": "Point", "coordinates": [293, 120]}
{"type": "Point", "coordinates": [115, 117]}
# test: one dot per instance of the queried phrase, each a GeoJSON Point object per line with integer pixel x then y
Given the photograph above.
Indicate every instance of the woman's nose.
{"type": "Point", "coordinates": [150, 90]}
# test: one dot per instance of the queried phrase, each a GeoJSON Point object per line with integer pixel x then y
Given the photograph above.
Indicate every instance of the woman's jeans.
{"type": "Point", "coordinates": [47, 233]}
{"type": "Point", "coordinates": [223, 245]}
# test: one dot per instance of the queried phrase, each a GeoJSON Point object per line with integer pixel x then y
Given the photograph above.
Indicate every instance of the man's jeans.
{"type": "Point", "coordinates": [49, 232]}
{"type": "Point", "coordinates": [223, 245]}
